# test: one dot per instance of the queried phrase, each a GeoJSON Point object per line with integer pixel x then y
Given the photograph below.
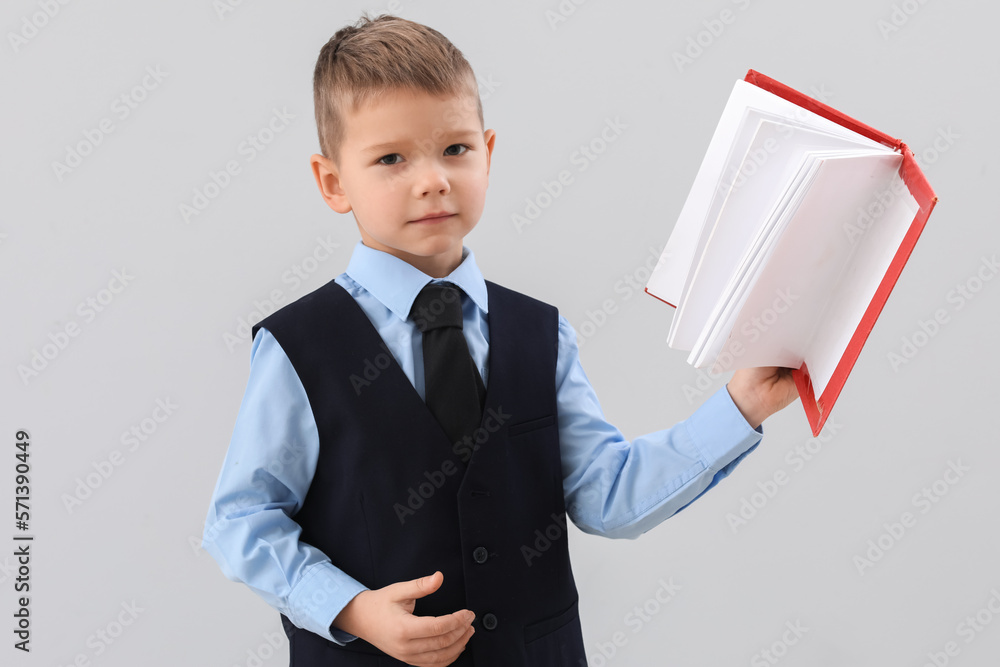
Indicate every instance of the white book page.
{"type": "Point", "coordinates": [667, 281]}
{"type": "Point", "coordinates": [723, 318]}
{"type": "Point", "coordinates": [722, 243]}
{"type": "Point", "coordinates": [755, 181]}
{"type": "Point", "coordinates": [760, 138]}
{"type": "Point", "coordinates": [717, 329]}
{"type": "Point", "coordinates": [789, 301]}
{"type": "Point", "coordinates": [877, 236]}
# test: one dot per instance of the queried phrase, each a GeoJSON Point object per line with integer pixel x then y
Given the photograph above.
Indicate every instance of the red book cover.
{"type": "Point", "coordinates": [818, 408]}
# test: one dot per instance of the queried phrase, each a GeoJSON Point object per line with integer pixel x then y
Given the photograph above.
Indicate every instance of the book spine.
{"type": "Point", "coordinates": [817, 107]}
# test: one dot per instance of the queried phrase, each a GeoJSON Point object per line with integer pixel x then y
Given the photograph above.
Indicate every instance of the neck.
{"type": "Point", "coordinates": [437, 266]}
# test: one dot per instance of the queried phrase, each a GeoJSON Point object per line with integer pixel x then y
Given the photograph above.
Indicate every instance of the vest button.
{"type": "Point", "coordinates": [480, 554]}
{"type": "Point", "coordinates": [490, 622]}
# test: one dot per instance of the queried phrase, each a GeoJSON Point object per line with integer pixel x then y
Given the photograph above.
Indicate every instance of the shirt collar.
{"type": "Point", "coordinates": [396, 283]}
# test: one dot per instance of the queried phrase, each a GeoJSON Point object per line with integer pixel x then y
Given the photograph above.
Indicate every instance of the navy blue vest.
{"type": "Point", "coordinates": [393, 499]}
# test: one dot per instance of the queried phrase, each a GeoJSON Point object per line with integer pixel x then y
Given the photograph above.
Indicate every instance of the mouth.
{"type": "Point", "coordinates": [434, 217]}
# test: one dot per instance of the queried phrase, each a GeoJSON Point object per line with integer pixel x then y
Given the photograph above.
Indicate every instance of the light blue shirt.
{"type": "Point", "coordinates": [612, 487]}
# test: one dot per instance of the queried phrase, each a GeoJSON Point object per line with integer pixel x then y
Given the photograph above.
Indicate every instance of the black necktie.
{"type": "Point", "coordinates": [453, 388]}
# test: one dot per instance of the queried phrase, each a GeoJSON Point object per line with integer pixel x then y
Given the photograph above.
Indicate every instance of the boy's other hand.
{"type": "Point", "coordinates": [384, 618]}
{"type": "Point", "coordinates": [760, 392]}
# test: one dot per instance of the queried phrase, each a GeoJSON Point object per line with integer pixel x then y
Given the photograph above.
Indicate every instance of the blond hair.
{"type": "Point", "coordinates": [378, 55]}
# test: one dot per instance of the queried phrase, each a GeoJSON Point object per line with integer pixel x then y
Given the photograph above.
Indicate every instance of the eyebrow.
{"type": "Point", "coordinates": [379, 148]}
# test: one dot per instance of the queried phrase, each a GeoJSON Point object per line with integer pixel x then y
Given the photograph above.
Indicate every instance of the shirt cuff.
{"type": "Point", "coordinates": [321, 594]}
{"type": "Point", "coordinates": [720, 431]}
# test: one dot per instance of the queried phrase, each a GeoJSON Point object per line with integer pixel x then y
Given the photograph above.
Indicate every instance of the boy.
{"type": "Point", "coordinates": [410, 536]}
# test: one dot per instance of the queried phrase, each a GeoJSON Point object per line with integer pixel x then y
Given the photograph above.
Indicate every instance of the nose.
{"type": "Point", "coordinates": [431, 178]}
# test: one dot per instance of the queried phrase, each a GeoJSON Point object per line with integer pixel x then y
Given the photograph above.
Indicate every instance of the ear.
{"type": "Point", "coordinates": [489, 136]}
{"type": "Point", "coordinates": [328, 181]}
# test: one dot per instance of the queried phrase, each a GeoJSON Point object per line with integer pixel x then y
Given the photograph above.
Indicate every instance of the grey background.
{"type": "Point", "coordinates": [553, 89]}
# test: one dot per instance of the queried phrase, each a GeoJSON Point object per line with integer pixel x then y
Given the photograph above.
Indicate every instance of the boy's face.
{"type": "Point", "coordinates": [407, 156]}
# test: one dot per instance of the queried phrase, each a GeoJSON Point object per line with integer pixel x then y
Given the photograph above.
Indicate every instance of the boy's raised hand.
{"type": "Point", "coordinates": [384, 618]}
{"type": "Point", "coordinates": [760, 392]}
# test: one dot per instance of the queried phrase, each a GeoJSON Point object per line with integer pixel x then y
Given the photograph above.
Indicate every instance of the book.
{"type": "Point", "coordinates": [796, 229]}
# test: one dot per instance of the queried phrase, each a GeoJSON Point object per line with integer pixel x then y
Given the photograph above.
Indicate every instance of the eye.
{"type": "Point", "coordinates": [462, 146]}
{"type": "Point", "coordinates": [395, 159]}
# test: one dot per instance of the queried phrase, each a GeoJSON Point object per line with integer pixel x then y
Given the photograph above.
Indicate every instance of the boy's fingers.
{"type": "Point", "coordinates": [456, 639]}
{"type": "Point", "coordinates": [444, 656]}
{"type": "Point", "coordinates": [422, 627]}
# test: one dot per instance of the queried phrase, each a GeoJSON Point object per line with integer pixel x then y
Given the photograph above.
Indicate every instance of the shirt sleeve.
{"type": "Point", "coordinates": [622, 489]}
{"type": "Point", "coordinates": [265, 477]}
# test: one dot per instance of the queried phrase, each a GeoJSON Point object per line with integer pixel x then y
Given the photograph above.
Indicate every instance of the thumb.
{"type": "Point", "coordinates": [418, 588]}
